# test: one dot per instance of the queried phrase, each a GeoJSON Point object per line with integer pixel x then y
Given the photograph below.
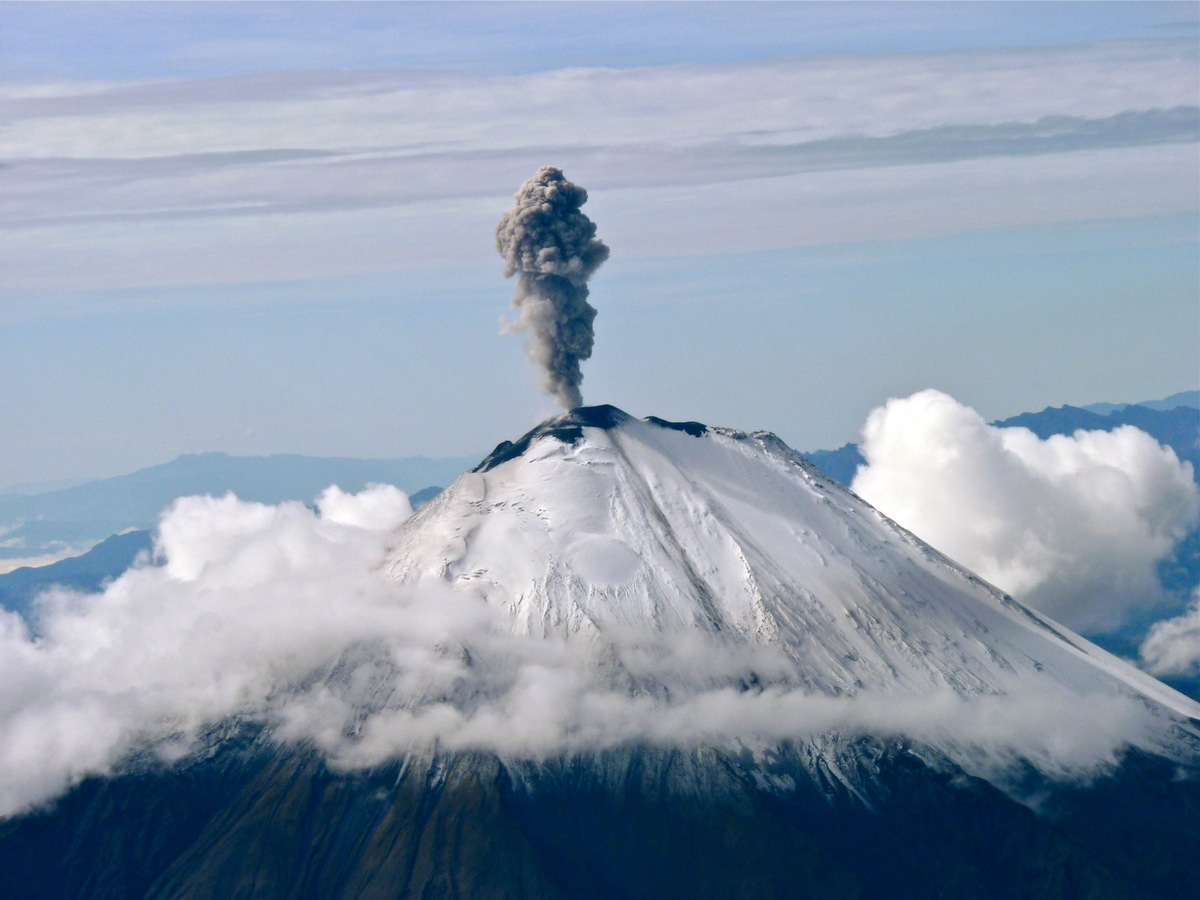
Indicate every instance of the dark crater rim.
{"type": "Point", "coordinates": [568, 428]}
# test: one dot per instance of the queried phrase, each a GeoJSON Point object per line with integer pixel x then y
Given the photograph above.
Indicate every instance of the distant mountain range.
{"type": "Point", "coordinates": [1183, 398]}
{"type": "Point", "coordinates": [86, 572]}
{"type": "Point", "coordinates": [47, 523]}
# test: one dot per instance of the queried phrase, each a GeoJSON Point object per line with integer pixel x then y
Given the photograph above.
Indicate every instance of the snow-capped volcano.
{"type": "Point", "coordinates": [620, 658]}
{"type": "Point", "coordinates": [596, 525]}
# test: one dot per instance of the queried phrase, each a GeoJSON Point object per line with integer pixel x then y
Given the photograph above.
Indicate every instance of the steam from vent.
{"type": "Point", "coordinates": [552, 248]}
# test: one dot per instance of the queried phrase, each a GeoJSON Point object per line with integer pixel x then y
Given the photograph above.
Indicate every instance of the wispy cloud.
{"type": "Point", "coordinates": [287, 180]}
{"type": "Point", "coordinates": [93, 169]}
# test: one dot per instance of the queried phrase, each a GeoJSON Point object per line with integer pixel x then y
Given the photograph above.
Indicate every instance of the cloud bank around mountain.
{"type": "Point", "coordinates": [1072, 525]}
{"type": "Point", "coordinates": [283, 617]}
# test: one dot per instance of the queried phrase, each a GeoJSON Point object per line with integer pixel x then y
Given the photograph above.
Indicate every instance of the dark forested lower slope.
{"type": "Point", "coordinates": [260, 823]}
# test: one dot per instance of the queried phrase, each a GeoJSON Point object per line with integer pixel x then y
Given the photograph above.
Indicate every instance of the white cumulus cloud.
{"type": "Point", "coordinates": [1072, 525]}
{"type": "Point", "coordinates": [1173, 646]}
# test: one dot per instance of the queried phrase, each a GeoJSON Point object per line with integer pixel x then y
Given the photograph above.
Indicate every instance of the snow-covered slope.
{"type": "Point", "coordinates": [597, 524]}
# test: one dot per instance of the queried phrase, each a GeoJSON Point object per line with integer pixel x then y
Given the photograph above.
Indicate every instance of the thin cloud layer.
{"type": "Point", "coordinates": [1072, 525]}
{"type": "Point", "coordinates": [200, 165]}
{"type": "Point", "coordinates": [282, 616]}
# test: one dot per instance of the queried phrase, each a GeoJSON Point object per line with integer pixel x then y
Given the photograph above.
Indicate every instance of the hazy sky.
{"type": "Point", "coordinates": [269, 227]}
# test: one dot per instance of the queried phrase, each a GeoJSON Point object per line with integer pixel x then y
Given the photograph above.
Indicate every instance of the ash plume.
{"type": "Point", "coordinates": [552, 248]}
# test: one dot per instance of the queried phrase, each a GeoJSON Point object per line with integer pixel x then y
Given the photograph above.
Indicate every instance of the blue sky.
{"type": "Point", "coordinates": [268, 227]}
{"type": "Point", "coordinates": [204, 40]}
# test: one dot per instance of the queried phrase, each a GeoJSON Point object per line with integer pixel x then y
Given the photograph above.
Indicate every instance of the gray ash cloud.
{"type": "Point", "coordinates": [552, 248]}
